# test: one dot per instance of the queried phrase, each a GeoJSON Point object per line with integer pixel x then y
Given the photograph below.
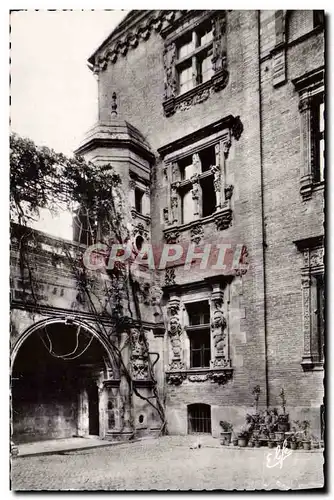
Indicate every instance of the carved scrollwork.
{"type": "Point", "coordinates": [237, 128]}
{"type": "Point", "coordinates": [196, 233]}
{"type": "Point", "coordinates": [139, 355]}
{"type": "Point", "coordinates": [175, 378]}
{"type": "Point", "coordinates": [220, 377]}
{"type": "Point", "coordinates": [170, 276]}
{"type": "Point", "coordinates": [317, 257]}
{"type": "Point", "coordinates": [223, 219]}
{"type": "Point", "coordinates": [198, 377]}
{"type": "Point", "coordinates": [228, 191]}
{"type": "Point", "coordinates": [172, 236]}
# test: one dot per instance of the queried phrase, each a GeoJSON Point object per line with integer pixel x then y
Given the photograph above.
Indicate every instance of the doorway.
{"type": "Point", "coordinates": [93, 410]}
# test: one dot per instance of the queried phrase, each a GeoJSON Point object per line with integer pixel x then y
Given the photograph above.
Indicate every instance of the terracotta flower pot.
{"type": "Point", "coordinates": [257, 444]}
{"type": "Point", "coordinates": [242, 442]}
{"type": "Point", "coordinates": [271, 444]}
{"type": "Point", "coordinates": [293, 445]}
{"type": "Point", "coordinates": [307, 445]}
{"type": "Point", "coordinates": [235, 442]}
{"type": "Point", "coordinates": [225, 438]}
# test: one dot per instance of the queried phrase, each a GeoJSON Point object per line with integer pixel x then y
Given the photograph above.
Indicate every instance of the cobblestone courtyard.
{"type": "Point", "coordinates": [167, 463]}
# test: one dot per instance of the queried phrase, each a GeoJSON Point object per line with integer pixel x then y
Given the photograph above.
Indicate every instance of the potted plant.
{"type": "Point", "coordinates": [243, 437]}
{"type": "Point", "coordinates": [306, 439]}
{"type": "Point", "coordinates": [294, 440]}
{"type": "Point", "coordinates": [272, 427]}
{"type": "Point", "coordinates": [315, 442]}
{"type": "Point", "coordinates": [283, 418]}
{"type": "Point", "coordinates": [226, 433]}
{"type": "Point", "coordinates": [235, 440]}
{"type": "Point", "coordinates": [271, 443]}
{"type": "Point", "coordinates": [256, 393]}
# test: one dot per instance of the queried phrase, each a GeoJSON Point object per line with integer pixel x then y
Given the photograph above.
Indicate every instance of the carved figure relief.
{"type": "Point", "coordinates": [174, 202]}
{"type": "Point", "coordinates": [170, 84]}
{"type": "Point", "coordinates": [175, 329]}
{"type": "Point", "coordinates": [215, 169]}
{"type": "Point", "coordinates": [139, 355]}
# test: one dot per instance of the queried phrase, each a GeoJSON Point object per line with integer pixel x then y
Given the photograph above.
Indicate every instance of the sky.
{"type": "Point", "coordinates": [53, 92]}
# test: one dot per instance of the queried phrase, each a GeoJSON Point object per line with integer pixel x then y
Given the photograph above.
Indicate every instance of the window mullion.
{"type": "Point", "coordinates": [194, 70]}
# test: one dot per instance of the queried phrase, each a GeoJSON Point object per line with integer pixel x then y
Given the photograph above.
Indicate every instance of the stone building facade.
{"type": "Point", "coordinates": [215, 122]}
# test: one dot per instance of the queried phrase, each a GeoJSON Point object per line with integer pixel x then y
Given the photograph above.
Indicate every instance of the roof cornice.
{"type": "Point", "coordinates": [137, 26]}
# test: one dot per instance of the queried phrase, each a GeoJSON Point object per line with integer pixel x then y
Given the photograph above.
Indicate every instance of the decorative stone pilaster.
{"type": "Point", "coordinates": [175, 333]}
{"type": "Point", "coordinates": [170, 83]}
{"type": "Point", "coordinates": [139, 355]}
{"type": "Point", "coordinates": [306, 293]}
{"type": "Point", "coordinates": [174, 202]}
{"type": "Point", "coordinates": [306, 147]}
{"type": "Point", "coordinates": [220, 76]}
{"type": "Point", "coordinates": [218, 329]}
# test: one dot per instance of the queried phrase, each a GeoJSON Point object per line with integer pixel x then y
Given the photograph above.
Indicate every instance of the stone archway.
{"type": "Point", "coordinates": [58, 372]}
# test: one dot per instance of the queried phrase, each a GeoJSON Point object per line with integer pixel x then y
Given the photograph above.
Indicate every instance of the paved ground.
{"type": "Point", "coordinates": [55, 445]}
{"type": "Point", "coordinates": [167, 463]}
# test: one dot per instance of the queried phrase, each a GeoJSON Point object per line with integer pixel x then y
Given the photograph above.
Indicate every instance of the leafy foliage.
{"type": "Point", "coordinates": [42, 178]}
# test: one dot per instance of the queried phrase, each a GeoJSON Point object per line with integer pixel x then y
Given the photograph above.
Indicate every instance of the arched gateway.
{"type": "Point", "coordinates": [59, 380]}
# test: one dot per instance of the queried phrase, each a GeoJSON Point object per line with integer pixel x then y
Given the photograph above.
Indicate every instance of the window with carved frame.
{"type": "Point", "coordinates": [194, 60]}
{"type": "Point", "coordinates": [312, 130]}
{"type": "Point", "coordinates": [313, 299]}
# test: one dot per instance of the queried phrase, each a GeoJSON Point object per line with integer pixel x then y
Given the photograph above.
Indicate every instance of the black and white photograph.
{"type": "Point", "coordinates": [167, 250]}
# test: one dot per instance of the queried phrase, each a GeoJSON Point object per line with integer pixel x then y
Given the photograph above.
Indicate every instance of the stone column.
{"type": "Point", "coordinates": [125, 394]}
{"type": "Point", "coordinates": [306, 146]}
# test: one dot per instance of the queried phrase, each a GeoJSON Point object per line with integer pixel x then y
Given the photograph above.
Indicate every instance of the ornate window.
{"type": "Point", "coordinates": [194, 60]}
{"type": "Point", "coordinates": [311, 106]}
{"type": "Point", "coordinates": [196, 177]}
{"type": "Point", "coordinates": [198, 332]}
{"type": "Point", "coordinates": [198, 335]}
{"type": "Point", "coordinates": [313, 302]}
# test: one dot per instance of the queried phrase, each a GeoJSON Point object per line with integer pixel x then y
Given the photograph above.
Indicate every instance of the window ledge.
{"type": "Point", "coordinates": [215, 375]}
{"type": "Point", "coordinates": [138, 215]}
{"type": "Point", "coordinates": [309, 365]}
{"type": "Point", "coordinates": [222, 218]}
{"type": "Point", "coordinates": [196, 95]}
{"type": "Point", "coordinates": [308, 186]}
